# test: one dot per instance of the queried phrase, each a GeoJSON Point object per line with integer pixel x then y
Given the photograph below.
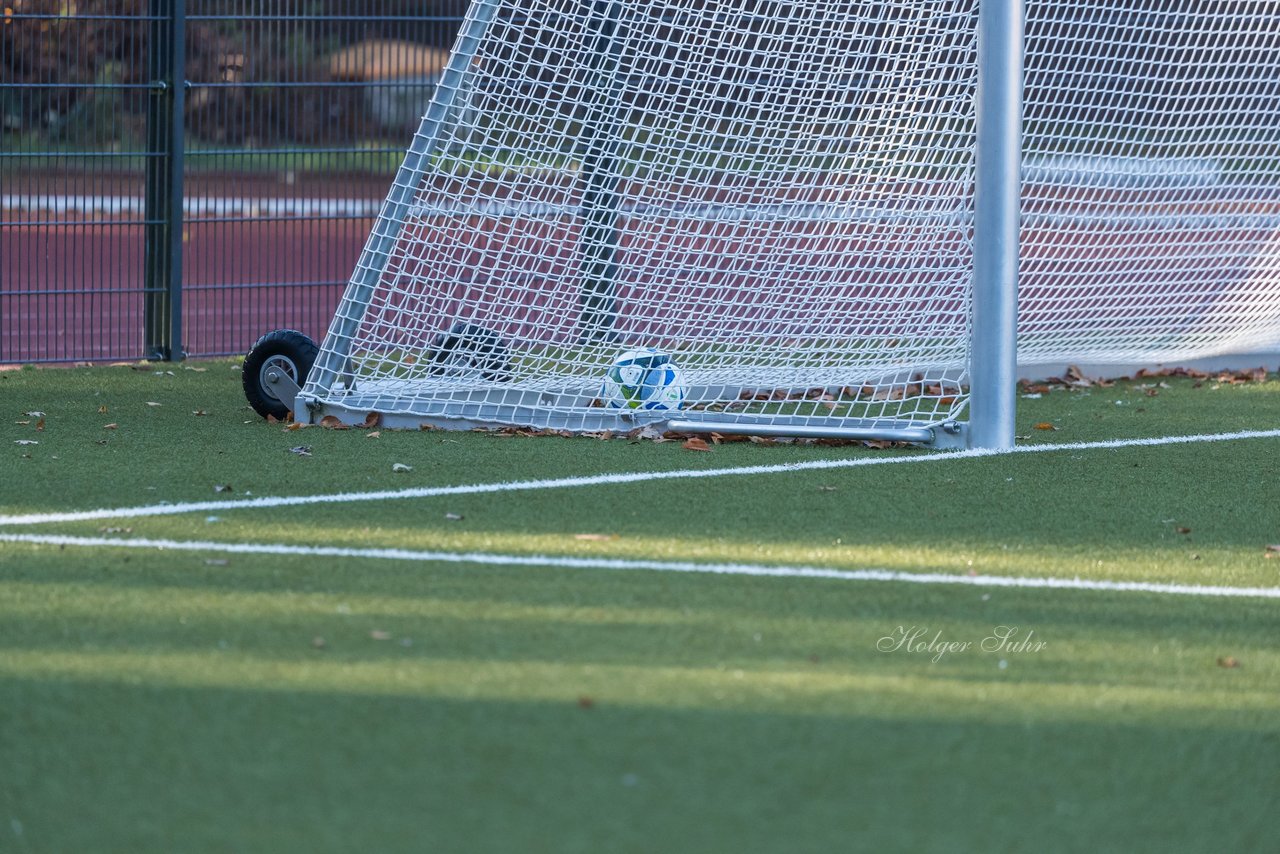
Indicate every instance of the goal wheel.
{"type": "Point", "coordinates": [468, 349]}
{"type": "Point", "coordinates": [282, 353]}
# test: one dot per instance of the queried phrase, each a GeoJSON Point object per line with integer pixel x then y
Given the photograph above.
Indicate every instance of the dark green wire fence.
{"type": "Point", "coordinates": [179, 176]}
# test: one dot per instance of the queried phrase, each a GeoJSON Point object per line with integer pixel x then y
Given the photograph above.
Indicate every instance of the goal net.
{"type": "Point", "coordinates": [779, 197]}
{"type": "Point", "coordinates": [1151, 182]}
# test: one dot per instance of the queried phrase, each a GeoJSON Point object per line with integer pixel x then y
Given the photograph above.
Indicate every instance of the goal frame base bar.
{"type": "Point", "coordinates": [491, 414]}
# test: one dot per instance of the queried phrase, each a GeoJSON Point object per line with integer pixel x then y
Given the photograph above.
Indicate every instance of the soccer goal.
{"type": "Point", "coordinates": [808, 215]}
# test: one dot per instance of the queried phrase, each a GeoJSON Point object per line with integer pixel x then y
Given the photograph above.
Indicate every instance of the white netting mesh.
{"type": "Point", "coordinates": [1151, 194]}
{"type": "Point", "coordinates": [777, 194]}
{"type": "Point", "coordinates": [780, 195]}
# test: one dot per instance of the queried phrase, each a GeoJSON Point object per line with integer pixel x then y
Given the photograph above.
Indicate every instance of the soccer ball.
{"type": "Point", "coordinates": [643, 379]}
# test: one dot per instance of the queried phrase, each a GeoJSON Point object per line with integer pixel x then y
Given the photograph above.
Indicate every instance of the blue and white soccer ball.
{"type": "Point", "coordinates": [643, 379]}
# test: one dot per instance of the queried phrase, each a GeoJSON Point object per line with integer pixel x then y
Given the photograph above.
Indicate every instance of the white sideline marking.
{"type": "Point", "coordinates": [602, 479]}
{"type": "Point", "coordinates": [490, 559]}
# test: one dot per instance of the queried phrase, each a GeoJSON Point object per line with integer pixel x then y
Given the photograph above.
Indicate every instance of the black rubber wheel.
{"type": "Point", "coordinates": [469, 349]}
{"type": "Point", "coordinates": [285, 350]}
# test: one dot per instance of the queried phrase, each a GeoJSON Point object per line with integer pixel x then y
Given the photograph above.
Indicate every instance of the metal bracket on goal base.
{"type": "Point", "coordinates": [283, 388]}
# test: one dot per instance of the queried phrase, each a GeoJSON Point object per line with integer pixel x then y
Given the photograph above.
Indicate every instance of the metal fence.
{"type": "Point", "coordinates": [179, 176]}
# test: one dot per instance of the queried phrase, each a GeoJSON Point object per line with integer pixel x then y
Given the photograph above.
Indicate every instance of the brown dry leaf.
{"type": "Point", "coordinates": [695, 444]}
{"type": "Point", "coordinates": [585, 702]}
{"type": "Point", "coordinates": [22, 423]}
{"type": "Point", "coordinates": [1228, 662]}
{"type": "Point", "coordinates": [1273, 550]}
{"type": "Point", "coordinates": [333, 422]}
{"type": "Point", "coordinates": [1076, 377]}
{"type": "Point", "coordinates": [271, 419]}
{"type": "Point", "coordinates": [761, 440]}
{"type": "Point", "coordinates": [294, 425]}
{"type": "Point", "coordinates": [1045, 425]}
{"type": "Point", "coordinates": [373, 419]}
{"type": "Point", "coordinates": [375, 434]}
{"type": "Point", "coordinates": [111, 426]}
{"type": "Point", "coordinates": [595, 538]}
{"type": "Point", "coordinates": [1183, 530]}
{"type": "Point", "coordinates": [40, 425]}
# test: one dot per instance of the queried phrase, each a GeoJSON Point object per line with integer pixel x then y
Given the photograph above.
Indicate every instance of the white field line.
{"type": "Point", "coordinates": [602, 479]}
{"type": "Point", "coordinates": [490, 559]}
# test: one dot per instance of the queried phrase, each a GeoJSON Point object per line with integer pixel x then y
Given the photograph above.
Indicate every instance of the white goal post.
{"type": "Point", "coordinates": [825, 213]}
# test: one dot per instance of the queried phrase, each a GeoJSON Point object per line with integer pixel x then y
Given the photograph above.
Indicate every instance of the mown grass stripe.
{"type": "Point", "coordinates": [490, 559]}
{"type": "Point", "coordinates": [604, 479]}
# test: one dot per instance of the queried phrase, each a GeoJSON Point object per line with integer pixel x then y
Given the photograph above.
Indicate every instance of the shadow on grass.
{"type": "Point", "coordinates": [131, 767]}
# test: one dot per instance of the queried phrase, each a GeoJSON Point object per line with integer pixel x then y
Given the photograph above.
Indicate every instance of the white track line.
{"type": "Point", "coordinates": [490, 559]}
{"type": "Point", "coordinates": [603, 479]}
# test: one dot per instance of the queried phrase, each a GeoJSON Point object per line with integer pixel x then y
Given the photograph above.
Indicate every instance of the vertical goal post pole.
{"type": "Point", "coordinates": [993, 368]}
{"type": "Point", "coordinates": [395, 210]}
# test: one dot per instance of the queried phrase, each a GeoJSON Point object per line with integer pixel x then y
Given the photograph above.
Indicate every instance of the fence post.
{"type": "Point", "coordinates": [993, 372]}
{"type": "Point", "coordinates": [162, 285]}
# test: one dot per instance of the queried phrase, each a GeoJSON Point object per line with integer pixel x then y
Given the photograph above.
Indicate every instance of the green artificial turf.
{"type": "Point", "coordinates": [163, 700]}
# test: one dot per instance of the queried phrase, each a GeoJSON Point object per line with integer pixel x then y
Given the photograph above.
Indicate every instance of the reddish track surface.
{"type": "Point", "coordinates": [73, 290]}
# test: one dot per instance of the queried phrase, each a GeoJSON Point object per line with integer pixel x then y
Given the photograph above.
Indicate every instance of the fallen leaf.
{"type": "Point", "coordinates": [317, 642]}
{"type": "Point", "coordinates": [40, 425]}
{"type": "Point", "coordinates": [301, 450]}
{"type": "Point", "coordinates": [453, 517]}
{"type": "Point", "coordinates": [373, 419]}
{"type": "Point", "coordinates": [379, 634]}
{"type": "Point", "coordinates": [695, 444]}
{"type": "Point", "coordinates": [199, 412]}
{"type": "Point", "coordinates": [294, 426]}
{"type": "Point", "coordinates": [102, 410]}
{"type": "Point", "coordinates": [271, 419]}
{"type": "Point", "coordinates": [22, 423]}
{"type": "Point", "coordinates": [153, 403]}
{"type": "Point", "coordinates": [333, 422]}
{"type": "Point", "coordinates": [111, 426]}
{"type": "Point", "coordinates": [1183, 530]}
{"type": "Point", "coordinates": [1273, 550]}
{"type": "Point", "coordinates": [400, 467]}
{"type": "Point", "coordinates": [585, 702]}
{"type": "Point", "coordinates": [1045, 425]}
{"type": "Point", "coordinates": [373, 434]}
{"type": "Point", "coordinates": [1228, 662]}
